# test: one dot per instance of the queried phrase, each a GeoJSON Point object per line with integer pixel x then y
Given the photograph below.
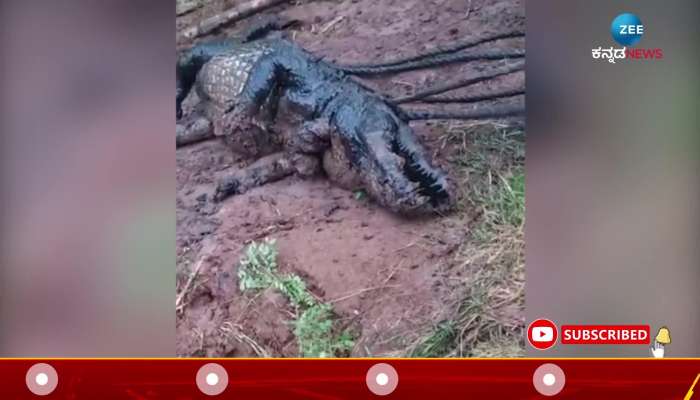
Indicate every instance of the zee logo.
{"type": "Point", "coordinates": [627, 29]}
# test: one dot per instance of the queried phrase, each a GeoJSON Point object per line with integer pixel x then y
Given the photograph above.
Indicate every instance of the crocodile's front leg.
{"type": "Point", "coordinates": [313, 137]}
{"type": "Point", "coordinates": [303, 149]}
{"type": "Point", "coordinates": [301, 156]}
{"type": "Point", "coordinates": [266, 169]}
{"type": "Point", "coordinates": [338, 167]}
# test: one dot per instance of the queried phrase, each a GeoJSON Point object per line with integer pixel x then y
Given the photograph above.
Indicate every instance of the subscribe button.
{"type": "Point", "coordinates": [543, 334]}
{"type": "Point", "coordinates": [605, 334]}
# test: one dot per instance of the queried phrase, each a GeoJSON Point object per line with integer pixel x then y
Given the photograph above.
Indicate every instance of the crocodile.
{"type": "Point", "coordinates": [356, 136]}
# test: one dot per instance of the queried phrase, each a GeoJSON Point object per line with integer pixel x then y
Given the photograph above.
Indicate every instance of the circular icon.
{"type": "Point", "coordinates": [627, 29]}
{"type": "Point", "coordinates": [212, 379]}
{"type": "Point", "coordinates": [382, 379]}
{"type": "Point", "coordinates": [41, 379]}
{"type": "Point", "coordinates": [542, 334]}
{"type": "Point", "coordinates": [549, 379]}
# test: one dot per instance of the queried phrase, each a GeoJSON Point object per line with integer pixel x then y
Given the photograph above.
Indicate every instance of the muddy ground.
{"type": "Point", "coordinates": [391, 280]}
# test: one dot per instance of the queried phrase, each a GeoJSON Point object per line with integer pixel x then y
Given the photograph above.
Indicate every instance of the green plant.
{"type": "Point", "coordinates": [294, 288]}
{"type": "Point", "coordinates": [360, 194]}
{"type": "Point", "coordinates": [314, 332]}
{"type": "Point", "coordinates": [313, 324]}
{"type": "Point", "coordinates": [258, 268]}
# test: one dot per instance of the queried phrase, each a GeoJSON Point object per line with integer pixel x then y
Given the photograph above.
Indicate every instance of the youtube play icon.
{"type": "Point", "coordinates": [542, 334]}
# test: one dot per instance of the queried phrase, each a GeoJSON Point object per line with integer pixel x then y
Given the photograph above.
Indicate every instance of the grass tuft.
{"type": "Point", "coordinates": [439, 343]}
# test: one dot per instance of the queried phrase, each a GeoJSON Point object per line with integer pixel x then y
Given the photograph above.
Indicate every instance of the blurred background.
{"type": "Point", "coordinates": [612, 233]}
{"type": "Point", "coordinates": [87, 167]}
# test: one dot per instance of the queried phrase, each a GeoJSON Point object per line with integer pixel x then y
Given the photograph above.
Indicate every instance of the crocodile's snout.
{"type": "Point", "coordinates": [405, 180]}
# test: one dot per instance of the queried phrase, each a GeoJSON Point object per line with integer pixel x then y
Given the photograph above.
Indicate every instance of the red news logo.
{"type": "Point", "coordinates": [605, 334]}
{"type": "Point", "coordinates": [644, 54]}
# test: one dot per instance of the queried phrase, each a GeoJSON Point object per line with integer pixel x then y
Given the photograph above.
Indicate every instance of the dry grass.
{"type": "Point", "coordinates": [184, 291]}
{"type": "Point", "coordinates": [491, 313]}
{"type": "Point", "coordinates": [235, 331]}
{"type": "Point", "coordinates": [486, 318]}
{"type": "Point", "coordinates": [180, 302]}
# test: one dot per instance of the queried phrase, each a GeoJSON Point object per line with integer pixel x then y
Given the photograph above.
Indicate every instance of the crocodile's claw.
{"type": "Point", "coordinates": [227, 187]}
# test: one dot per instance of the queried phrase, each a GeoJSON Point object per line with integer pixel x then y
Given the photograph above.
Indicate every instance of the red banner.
{"type": "Point", "coordinates": [350, 379]}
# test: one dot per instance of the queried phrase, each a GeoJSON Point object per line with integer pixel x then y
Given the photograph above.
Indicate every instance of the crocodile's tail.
{"type": "Point", "coordinates": [380, 68]}
{"type": "Point", "coordinates": [436, 61]}
{"type": "Point", "coordinates": [485, 112]}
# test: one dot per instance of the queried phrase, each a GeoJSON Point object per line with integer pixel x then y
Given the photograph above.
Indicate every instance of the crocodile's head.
{"type": "Point", "coordinates": [398, 173]}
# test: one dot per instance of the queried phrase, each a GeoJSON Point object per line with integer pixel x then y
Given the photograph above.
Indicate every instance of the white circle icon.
{"type": "Point", "coordinates": [382, 379]}
{"type": "Point", "coordinates": [549, 379]}
{"type": "Point", "coordinates": [41, 379]}
{"type": "Point", "coordinates": [212, 379]}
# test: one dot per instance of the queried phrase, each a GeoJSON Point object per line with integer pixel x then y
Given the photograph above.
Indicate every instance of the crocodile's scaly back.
{"type": "Point", "coordinates": [222, 80]}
